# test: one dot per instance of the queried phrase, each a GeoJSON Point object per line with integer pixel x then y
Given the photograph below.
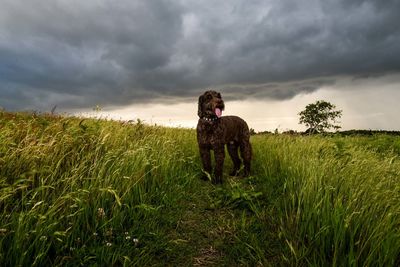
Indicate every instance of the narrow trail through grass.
{"type": "Point", "coordinates": [228, 225]}
{"type": "Point", "coordinates": [198, 226]}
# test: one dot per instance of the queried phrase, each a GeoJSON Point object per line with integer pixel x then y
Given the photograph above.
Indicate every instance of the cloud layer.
{"type": "Point", "coordinates": [82, 53]}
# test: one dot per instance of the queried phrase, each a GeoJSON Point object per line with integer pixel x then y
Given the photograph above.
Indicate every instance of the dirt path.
{"type": "Point", "coordinates": [204, 228]}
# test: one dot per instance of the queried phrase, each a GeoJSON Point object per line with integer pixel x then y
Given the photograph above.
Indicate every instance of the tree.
{"type": "Point", "coordinates": [320, 116]}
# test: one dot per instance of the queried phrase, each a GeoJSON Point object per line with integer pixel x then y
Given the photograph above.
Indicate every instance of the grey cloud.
{"type": "Point", "coordinates": [278, 91]}
{"type": "Point", "coordinates": [94, 52]}
{"type": "Point", "coordinates": [79, 54]}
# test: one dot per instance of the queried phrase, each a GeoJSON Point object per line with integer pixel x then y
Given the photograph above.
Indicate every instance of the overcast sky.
{"type": "Point", "coordinates": [153, 58]}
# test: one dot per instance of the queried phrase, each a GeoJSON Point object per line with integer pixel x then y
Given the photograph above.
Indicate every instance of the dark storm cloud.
{"type": "Point", "coordinates": [278, 91]}
{"type": "Point", "coordinates": [83, 53]}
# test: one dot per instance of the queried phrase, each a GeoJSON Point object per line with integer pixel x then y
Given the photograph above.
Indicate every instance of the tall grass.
{"type": "Point", "coordinates": [77, 191]}
{"type": "Point", "coordinates": [86, 190]}
{"type": "Point", "coordinates": [340, 201]}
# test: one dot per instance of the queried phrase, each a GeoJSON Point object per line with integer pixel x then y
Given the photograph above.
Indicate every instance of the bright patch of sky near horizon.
{"type": "Point", "coordinates": [354, 97]}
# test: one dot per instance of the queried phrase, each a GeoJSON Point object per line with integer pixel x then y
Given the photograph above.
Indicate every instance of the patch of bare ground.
{"type": "Point", "coordinates": [208, 256]}
{"type": "Point", "coordinates": [206, 229]}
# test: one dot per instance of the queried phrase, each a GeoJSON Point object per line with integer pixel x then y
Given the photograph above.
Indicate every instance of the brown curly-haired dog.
{"type": "Point", "coordinates": [215, 131]}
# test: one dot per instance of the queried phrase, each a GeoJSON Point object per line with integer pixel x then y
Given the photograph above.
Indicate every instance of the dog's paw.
{"type": "Point", "coordinates": [217, 180]}
{"type": "Point", "coordinates": [204, 178]}
{"type": "Point", "coordinates": [234, 173]}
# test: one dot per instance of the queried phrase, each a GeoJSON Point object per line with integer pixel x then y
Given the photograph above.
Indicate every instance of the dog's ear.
{"type": "Point", "coordinates": [200, 106]}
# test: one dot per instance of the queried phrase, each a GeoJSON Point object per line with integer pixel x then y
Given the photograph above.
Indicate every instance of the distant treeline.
{"type": "Point", "coordinates": [340, 133]}
{"type": "Point", "coordinates": [368, 132]}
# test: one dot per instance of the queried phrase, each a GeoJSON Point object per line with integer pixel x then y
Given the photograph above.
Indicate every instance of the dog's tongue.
{"type": "Point", "coordinates": [218, 112]}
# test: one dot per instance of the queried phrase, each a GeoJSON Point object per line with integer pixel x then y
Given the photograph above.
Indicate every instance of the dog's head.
{"type": "Point", "coordinates": [211, 105]}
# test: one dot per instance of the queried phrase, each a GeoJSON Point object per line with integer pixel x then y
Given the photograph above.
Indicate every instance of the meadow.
{"type": "Point", "coordinates": [76, 191]}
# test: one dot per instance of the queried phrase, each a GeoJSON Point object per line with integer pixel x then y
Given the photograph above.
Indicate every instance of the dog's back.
{"type": "Point", "coordinates": [235, 129]}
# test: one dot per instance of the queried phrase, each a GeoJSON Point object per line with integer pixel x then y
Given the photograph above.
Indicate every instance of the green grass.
{"type": "Point", "coordinates": [79, 191]}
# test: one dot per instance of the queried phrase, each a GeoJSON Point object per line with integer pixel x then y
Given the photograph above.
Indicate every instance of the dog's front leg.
{"type": "Point", "coordinates": [206, 161]}
{"type": "Point", "coordinates": [219, 153]}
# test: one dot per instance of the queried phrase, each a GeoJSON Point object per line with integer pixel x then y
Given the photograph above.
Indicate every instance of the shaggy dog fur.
{"type": "Point", "coordinates": [214, 132]}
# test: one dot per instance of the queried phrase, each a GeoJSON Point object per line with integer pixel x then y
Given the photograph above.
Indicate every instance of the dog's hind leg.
{"type": "Point", "coordinates": [246, 153]}
{"type": "Point", "coordinates": [234, 154]}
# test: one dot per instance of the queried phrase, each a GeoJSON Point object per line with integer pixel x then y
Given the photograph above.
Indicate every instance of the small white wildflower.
{"type": "Point", "coordinates": [95, 234]}
{"type": "Point", "coordinates": [108, 244]}
{"type": "Point", "coordinates": [136, 241]}
{"type": "Point", "coordinates": [127, 237]}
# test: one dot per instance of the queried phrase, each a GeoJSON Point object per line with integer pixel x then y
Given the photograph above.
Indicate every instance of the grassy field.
{"type": "Point", "coordinates": [87, 192]}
